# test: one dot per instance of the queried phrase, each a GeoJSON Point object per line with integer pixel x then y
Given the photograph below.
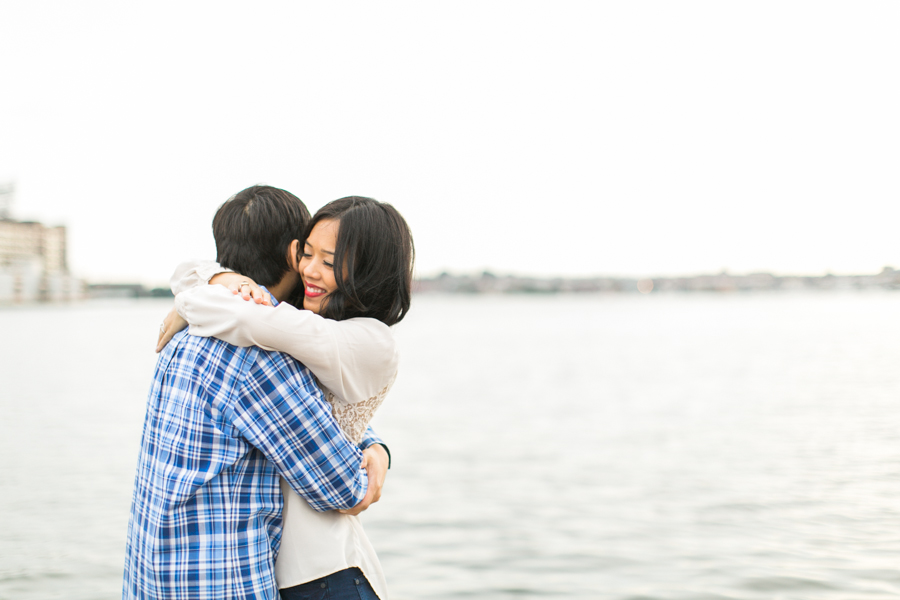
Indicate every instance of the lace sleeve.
{"type": "Point", "coordinates": [354, 417]}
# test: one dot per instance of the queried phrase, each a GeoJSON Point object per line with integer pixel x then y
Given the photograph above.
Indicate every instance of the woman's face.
{"type": "Point", "coordinates": [316, 264]}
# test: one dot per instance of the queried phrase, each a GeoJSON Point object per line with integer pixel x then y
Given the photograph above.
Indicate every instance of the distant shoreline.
{"type": "Point", "coordinates": [489, 283]}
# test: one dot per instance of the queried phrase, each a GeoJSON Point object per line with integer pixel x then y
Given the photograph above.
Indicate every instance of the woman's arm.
{"type": "Point", "coordinates": [188, 274]}
{"type": "Point", "coordinates": [192, 273]}
{"type": "Point", "coordinates": [354, 359]}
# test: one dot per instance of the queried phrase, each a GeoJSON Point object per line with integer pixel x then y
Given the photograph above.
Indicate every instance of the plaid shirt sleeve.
{"type": "Point", "coordinates": [280, 410]}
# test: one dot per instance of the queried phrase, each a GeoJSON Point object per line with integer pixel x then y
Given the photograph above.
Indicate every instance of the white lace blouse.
{"type": "Point", "coordinates": [355, 362]}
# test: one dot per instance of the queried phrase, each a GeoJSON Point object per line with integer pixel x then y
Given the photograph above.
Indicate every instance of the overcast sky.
{"type": "Point", "coordinates": [574, 138]}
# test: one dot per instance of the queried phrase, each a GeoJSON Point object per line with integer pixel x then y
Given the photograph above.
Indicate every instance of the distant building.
{"type": "Point", "coordinates": [33, 265]}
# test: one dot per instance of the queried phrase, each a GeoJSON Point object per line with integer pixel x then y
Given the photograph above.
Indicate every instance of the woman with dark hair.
{"type": "Point", "coordinates": [356, 269]}
{"type": "Point", "coordinates": [374, 245]}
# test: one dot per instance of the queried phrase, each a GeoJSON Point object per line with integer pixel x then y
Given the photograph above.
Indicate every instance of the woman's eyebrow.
{"type": "Point", "coordinates": [331, 252]}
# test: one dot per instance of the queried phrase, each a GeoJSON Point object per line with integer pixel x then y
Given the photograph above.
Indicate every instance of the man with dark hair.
{"type": "Point", "coordinates": [254, 231]}
{"type": "Point", "coordinates": [223, 423]}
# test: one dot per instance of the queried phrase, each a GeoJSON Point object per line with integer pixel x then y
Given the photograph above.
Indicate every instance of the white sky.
{"type": "Point", "coordinates": [574, 138]}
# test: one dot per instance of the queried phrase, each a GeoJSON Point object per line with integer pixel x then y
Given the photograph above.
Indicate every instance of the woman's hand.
{"type": "Point", "coordinates": [172, 324]}
{"type": "Point", "coordinates": [246, 287]}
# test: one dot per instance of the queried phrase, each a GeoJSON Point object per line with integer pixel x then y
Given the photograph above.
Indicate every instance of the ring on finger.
{"type": "Point", "coordinates": [243, 283]}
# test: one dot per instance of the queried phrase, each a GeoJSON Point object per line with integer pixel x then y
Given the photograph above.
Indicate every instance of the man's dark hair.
{"type": "Point", "coordinates": [375, 247]}
{"type": "Point", "coordinates": [254, 230]}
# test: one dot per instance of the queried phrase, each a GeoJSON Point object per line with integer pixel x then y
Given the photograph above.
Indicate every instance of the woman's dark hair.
{"type": "Point", "coordinates": [373, 261]}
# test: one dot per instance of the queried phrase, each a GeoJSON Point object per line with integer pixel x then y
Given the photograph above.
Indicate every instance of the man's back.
{"type": "Point", "coordinates": [222, 423]}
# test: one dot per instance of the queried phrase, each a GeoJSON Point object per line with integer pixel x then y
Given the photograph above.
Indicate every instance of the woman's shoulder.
{"type": "Point", "coordinates": [376, 340]}
{"type": "Point", "coordinates": [371, 324]}
{"type": "Point", "coordinates": [373, 332]}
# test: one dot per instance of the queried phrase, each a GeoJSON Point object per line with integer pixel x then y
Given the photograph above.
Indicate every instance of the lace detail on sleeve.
{"type": "Point", "coordinates": [354, 417]}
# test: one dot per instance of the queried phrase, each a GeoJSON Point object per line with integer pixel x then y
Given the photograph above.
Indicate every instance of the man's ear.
{"type": "Point", "coordinates": [293, 256]}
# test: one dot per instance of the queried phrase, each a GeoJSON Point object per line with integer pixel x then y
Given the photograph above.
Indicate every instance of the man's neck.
{"type": "Point", "coordinates": [283, 288]}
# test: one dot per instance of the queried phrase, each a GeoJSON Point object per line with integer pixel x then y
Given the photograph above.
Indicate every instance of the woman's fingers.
{"type": "Point", "coordinates": [243, 286]}
{"type": "Point", "coordinates": [248, 290]}
{"type": "Point", "coordinates": [172, 324]}
{"type": "Point", "coordinates": [259, 296]}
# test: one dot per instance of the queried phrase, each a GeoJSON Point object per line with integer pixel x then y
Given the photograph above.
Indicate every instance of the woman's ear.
{"type": "Point", "coordinates": [294, 255]}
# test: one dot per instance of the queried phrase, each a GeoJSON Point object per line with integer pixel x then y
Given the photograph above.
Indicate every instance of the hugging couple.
{"type": "Point", "coordinates": [256, 455]}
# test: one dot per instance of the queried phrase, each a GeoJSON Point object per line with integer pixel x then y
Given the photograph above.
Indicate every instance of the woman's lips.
{"type": "Point", "coordinates": [313, 292]}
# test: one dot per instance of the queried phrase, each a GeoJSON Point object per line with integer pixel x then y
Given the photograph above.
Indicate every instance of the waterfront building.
{"type": "Point", "coordinates": [33, 265]}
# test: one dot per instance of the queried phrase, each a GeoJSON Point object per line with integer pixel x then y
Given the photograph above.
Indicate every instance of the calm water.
{"type": "Point", "coordinates": [619, 447]}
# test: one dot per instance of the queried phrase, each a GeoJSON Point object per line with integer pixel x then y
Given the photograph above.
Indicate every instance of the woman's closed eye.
{"type": "Point", "coordinates": [309, 255]}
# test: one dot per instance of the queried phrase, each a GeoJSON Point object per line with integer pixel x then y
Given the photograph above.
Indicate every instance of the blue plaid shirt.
{"type": "Point", "coordinates": [222, 424]}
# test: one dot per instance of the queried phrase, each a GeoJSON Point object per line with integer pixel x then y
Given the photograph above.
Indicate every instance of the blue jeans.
{"type": "Point", "coordinates": [349, 584]}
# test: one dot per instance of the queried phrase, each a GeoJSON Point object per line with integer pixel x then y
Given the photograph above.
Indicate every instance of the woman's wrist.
{"type": "Point", "coordinates": [243, 286]}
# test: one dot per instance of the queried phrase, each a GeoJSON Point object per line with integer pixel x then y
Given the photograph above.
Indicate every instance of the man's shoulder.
{"type": "Point", "coordinates": [201, 354]}
{"type": "Point", "coordinates": [184, 344]}
{"type": "Point", "coordinates": [282, 363]}
{"type": "Point", "coordinates": [193, 354]}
